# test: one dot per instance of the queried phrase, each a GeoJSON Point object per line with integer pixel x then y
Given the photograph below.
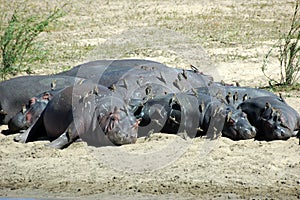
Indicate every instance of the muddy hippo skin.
{"type": "Point", "coordinates": [165, 114]}
{"type": "Point", "coordinates": [273, 118]}
{"type": "Point", "coordinates": [31, 111]}
{"type": "Point", "coordinates": [17, 91]}
{"type": "Point", "coordinates": [87, 111]}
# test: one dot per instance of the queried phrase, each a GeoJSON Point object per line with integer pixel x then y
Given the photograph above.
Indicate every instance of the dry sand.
{"type": "Point", "coordinates": [162, 166]}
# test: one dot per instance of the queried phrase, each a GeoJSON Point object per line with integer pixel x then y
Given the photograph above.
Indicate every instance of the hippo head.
{"type": "Point", "coordinates": [120, 126]}
{"type": "Point", "coordinates": [274, 125]}
{"type": "Point", "coordinates": [237, 126]}
{"type": "Point", "coordinates": [28, 114]}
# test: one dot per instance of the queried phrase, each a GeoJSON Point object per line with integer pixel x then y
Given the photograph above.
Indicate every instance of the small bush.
{"type": "Point", "coordinates": [289, 53]}
{"type": "Point", "coordinates": [18, 43]}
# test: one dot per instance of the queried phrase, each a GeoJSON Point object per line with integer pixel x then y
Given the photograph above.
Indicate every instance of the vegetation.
{"type": "Point", "coordinates": [289, 53]}
{"type": "Point", "coordinates": [19, 44]}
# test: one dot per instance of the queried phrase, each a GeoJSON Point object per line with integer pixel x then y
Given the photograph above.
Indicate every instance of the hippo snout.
{"type": "Point", "coordinates": [119, 137]}
{"type": "Point", "coordinates": [249, 133]}
{"type": "Point", "coordinates": [253, 131]}
{"type": "Point", "coordinates": [281, 133]}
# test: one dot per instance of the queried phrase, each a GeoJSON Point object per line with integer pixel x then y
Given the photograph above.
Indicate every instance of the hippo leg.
{"type": "Point", "coordinates": [22, 137]}
{"type": "Point", "coordinates": [65, 139]}
{"type": "Point", "coordinates": [60, 142]}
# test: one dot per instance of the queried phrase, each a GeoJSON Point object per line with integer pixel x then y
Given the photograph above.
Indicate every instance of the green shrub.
{"type": "Point", "coordinates": [289, 53]}
{"type": "Point", "coordinates": [18, 43]}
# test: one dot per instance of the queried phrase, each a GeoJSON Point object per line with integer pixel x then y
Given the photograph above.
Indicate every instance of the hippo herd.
{"type": "Point", "coordinates": [113, 102]}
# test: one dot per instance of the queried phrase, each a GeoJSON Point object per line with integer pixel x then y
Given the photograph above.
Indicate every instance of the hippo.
{"type": "Point", "coordinates": [17, 91]}
{"type": "Point", "coordinates": [235, 95]}
{"type": "Point", "coordinates": [151, 77]}
{"type": "Point", "coordinates": [87, 111]}
{"type": "Point", "coordinates": [108, 72]}
{"type": "Point", "coordinates": [273, 118]}
{"type": "Point", "coordinates": [171, 113]}
{"type": "Point", "coordinates": [147, 82]}
{"type": "Point", "coordinates": [174, 113]}
{"type": "Point", "coordinates": [31, 111]}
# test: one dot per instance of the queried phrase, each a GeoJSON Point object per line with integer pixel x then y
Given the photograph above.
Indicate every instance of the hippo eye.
{"type": "Point", "coordinates": [112, 118]}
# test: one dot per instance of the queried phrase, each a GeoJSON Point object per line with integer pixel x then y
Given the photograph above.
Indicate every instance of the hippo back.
{"type": "Point", "coordinates": [107, 72]}
{"type": "Point", "coordinates": [17, 91]}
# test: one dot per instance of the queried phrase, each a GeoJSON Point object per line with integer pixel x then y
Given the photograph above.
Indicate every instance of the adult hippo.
{"type": "Point", "coordinates": [88, 111]}
{"type": "Point", "coordinates": [17, 91]}
{"type": "Point", "coordinates": [147, 82]}
{"type": "Point", "coordinates": [108, 72]}
{"type": "Point", "coordinates": [273, 118]}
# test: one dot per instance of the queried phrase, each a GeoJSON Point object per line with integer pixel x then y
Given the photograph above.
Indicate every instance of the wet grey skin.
{"type": "Point", "coordinates": [237, 125]}
{"type": "Point", "coordinates": [196, 114]}
{"type": "Point", "coordinates": [273, 118]}
{"type": "Point", "coordinates": [17, 91]}
{"type": "Point", "coordinates": [87, 111]}
{"type": "Point", "coordinates": [108, 72]}
{"type": "Point", "coordinates": [139, 79]}
{"type": "Point", "coordinates": [147, 82]}
{"type": "Point", "coordinates": [235, 95]}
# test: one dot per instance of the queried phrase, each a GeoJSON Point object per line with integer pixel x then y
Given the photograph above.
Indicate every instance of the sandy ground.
{"type": "Point", "coordinates": [162, 166]}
